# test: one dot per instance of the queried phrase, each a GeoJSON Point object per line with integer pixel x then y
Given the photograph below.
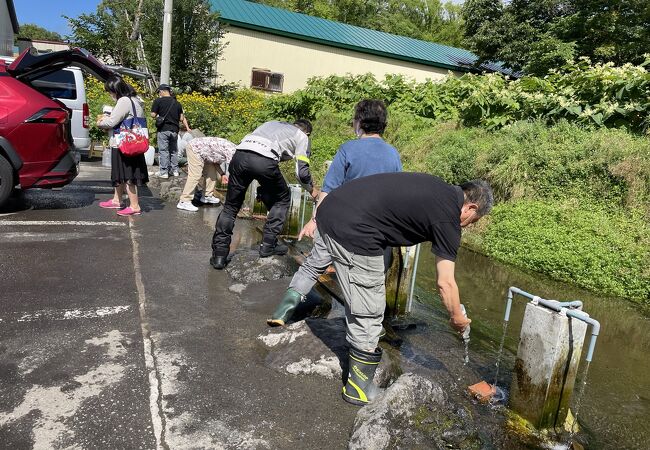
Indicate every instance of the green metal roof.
{"type": "Point", "coordinates": [336, 34]}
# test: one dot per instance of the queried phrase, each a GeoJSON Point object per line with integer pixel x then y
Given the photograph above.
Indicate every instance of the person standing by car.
{"type": "Point", "coordinates": [127, 172]}
{"type": "Point", "coordinates": [168, 113]}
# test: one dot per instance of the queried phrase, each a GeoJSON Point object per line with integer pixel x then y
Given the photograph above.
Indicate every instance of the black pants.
{"type": "Point", "coordinates": [244, 168]}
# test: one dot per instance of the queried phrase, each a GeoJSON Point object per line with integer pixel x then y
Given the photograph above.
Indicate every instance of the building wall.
{"type": "Point", "coordinates": [6, 31]}
{"type": "Point", "coordinates": [300, 60]}
{"type": "Point", "coordinates": [42, 46]}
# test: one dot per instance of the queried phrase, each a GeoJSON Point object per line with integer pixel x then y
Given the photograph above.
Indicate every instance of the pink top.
{"type": "Point", "coordinates": [213, 149]}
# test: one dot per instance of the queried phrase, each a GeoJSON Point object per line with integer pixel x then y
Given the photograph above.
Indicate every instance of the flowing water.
{"type": "Point", "coordinates": [615, 409]}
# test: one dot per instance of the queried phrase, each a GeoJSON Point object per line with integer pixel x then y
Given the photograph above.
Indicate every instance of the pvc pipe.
{"type": "Point", "coordinates": [571, 309]}
{"type": "Point", "coordinates": [409, 303]}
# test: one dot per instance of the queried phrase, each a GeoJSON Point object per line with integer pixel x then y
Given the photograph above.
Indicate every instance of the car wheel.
{"type": "Point", "coordinates": [6, 180]}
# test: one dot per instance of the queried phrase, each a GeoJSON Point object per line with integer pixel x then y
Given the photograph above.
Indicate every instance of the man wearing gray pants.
{"type": "Point", "coordinates": [367, 155]}
{"type": "Point", "coordinates": [365, 216]}
{"type": "Point", "coordinates": [168, 113]}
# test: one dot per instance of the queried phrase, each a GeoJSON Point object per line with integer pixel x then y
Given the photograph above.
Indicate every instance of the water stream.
{"type": "Point", "coordinates": [614, 411]}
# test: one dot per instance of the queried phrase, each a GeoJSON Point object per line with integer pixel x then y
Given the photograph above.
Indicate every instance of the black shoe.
{"type": "Point", "coordinates": [219, 262]}
{"type": "Point", "coordinates": [267, 250]}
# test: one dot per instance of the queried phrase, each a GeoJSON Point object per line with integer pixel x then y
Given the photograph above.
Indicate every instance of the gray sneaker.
{"type": "Point", "coordinates": [210, 199]}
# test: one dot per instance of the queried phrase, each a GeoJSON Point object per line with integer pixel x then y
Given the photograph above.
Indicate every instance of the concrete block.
{"type": "Point", "coordinates": [547, 362]}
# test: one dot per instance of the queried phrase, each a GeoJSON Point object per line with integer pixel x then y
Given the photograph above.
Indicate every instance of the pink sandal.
{"type": "Point", "coordinates": [109, 204]}
{"type": "Point", "coordinates": [128, 211]}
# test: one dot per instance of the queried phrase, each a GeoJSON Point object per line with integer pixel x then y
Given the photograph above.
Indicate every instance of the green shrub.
{"type": "Point", "coordinates": [603, 250]}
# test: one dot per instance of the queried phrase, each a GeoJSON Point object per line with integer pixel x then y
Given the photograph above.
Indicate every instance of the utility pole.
{"type": "Point", "coordinates": [166, 42]}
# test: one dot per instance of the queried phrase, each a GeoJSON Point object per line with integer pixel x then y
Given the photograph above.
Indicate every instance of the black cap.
{"type": "Point", "coordinates": [164, 87]}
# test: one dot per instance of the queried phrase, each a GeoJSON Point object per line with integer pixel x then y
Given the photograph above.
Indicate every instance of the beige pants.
{"type": "Point", "coordinates": [197, 168]}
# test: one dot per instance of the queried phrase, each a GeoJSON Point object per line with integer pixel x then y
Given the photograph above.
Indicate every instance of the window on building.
{"type": "Point", "coordinates": [266, 80]}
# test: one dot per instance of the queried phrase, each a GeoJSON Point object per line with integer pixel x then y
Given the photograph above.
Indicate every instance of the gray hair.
{"type": "Point", "coordinates": [479, 192]}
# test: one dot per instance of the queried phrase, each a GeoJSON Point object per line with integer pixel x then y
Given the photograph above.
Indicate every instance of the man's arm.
{"type": "Point", "coordinates": [184, 121]}
{"type": "Point", "coordinates": [154, 108]}
{"type": "Point", "coordinates": [310, 227]}
{"type": "Point", "coordinates": [448, 290]}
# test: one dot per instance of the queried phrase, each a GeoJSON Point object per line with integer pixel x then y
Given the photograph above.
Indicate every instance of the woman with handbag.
{"type": "Point", "coordinates": [128, 171]}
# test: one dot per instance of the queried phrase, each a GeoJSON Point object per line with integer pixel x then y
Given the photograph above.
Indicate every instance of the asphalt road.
{"type": "Point", "coordinates": [116, 333]}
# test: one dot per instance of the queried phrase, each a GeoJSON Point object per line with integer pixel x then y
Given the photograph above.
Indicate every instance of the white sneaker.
{"type": "Point", "coordinates": [187, 206]}
{"type": "Point", "coordinates": [176, 174]}
{"type": "Point", "coordinates": [211, 199]}
{"type": "Point", "coordinates": [163, 175]}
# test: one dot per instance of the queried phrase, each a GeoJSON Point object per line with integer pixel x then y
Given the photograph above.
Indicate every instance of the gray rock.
{"type": "Point", "coordinates": [412, 413]}
{"type": "Point", "coordinates": [247, 267]}
{"type": "Point", "coordinates": [164, 188]}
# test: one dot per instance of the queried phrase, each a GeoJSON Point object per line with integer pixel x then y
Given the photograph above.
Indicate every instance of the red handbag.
{"type": "Point", "coordinates": [133, 139]}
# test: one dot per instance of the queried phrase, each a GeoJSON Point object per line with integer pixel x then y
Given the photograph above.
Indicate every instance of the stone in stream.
{"type": "Point", "coordinates": [247, 267]}
{"type": "Point", "coordinates": [317, 346]}
{"type": "Point", "coordinates": [413, 413]}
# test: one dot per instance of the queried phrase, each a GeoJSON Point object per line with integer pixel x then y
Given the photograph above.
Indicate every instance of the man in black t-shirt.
{"type": "Point", "coordinates": [169, 115]}
{"type": "Point", "coordinates": [360, 219]}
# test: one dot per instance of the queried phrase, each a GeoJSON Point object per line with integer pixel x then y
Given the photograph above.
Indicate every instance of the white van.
{"type": "Point", "coordinates": [67, 85]}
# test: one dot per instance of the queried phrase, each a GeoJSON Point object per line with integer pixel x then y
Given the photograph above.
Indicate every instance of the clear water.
{"type": "Point", "coordinates": [615, 409]}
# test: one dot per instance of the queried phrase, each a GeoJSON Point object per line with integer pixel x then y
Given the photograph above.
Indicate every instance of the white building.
{"type": "Point", "coordinates": [8, 27]}
{"type": "Point", "coordinates": [42, 46]}
{"type": "Point", "coordinates": [276, 50]}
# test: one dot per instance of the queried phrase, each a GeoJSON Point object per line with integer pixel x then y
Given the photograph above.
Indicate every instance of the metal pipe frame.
{"type": "Point", "coordinates": [570, 309]}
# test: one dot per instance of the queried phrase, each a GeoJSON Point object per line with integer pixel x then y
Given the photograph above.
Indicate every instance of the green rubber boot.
{"type": "Point", "coordinates": [359, 389]}
{"type": "Point", "coordinates": [284, 311]}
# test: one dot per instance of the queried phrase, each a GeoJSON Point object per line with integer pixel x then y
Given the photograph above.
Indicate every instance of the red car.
{"type": "Point", "coordinates": [36, 145]}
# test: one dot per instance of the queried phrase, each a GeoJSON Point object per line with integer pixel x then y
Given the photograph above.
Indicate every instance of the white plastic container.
{"type": "Point", "coordinates": [149, 155]}
{"type": "Point", "coordinates": [106, 157]}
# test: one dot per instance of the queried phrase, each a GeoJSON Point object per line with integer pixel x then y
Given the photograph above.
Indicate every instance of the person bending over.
{"type": "Point", "coordinates": [360, 219]}
{"type": "Point", "coordinates": [204, 158]}
{"type": "Point", "coordinates": [257, 158]}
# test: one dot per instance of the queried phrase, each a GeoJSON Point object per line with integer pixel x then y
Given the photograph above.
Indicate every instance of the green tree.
{"type": "Point", "coordinates": [32, 31]}
{"type": "Point", "coordinates": [106, 33]}
{"type": "Point", "coordinates": [537, 35]}
{"type": "Point", "coordinates": [112, 32]}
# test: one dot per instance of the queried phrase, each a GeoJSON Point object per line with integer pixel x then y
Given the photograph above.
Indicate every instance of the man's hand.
{"type": "Point", "coordinates": [224, 179]}
{"type": "Point", "coordinates": [308, 230]}
{"type": "Point", "coordinates": [459, 322]}
{"type": "Point", "coordinates": [315, 193]}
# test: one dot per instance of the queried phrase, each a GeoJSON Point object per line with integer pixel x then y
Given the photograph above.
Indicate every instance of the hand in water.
{"type": "Point", "coordinates": [459, 322]}
{"type": "Point", "coordinates": [308, 230]}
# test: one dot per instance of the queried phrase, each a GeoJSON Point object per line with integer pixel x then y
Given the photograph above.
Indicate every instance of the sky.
{"type": "Point", "coordinates": [47, 13]}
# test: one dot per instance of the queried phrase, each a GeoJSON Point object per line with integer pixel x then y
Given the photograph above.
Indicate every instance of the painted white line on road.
{"type": "Point", "coordinates": [66, 314]}
{"type": "Point", "coordinates": [155, 383]}
{"type": "Point", "coordinates": [84, 223]}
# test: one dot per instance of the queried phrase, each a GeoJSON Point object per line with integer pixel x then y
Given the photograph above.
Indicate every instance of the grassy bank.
{"type": "Point", "coordinates": [573, 203]}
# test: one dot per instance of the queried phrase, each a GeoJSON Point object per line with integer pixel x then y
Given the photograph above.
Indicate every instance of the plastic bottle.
{"type": "Point", "coordinates": [465, 335]}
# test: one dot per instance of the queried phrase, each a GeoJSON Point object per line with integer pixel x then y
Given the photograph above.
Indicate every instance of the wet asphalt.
{"type": "Point", "coordinates": [116, 333]}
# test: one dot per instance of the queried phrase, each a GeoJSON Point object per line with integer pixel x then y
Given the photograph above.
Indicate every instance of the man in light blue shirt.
{"type": "Point", "coordinates": [367, 155]}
